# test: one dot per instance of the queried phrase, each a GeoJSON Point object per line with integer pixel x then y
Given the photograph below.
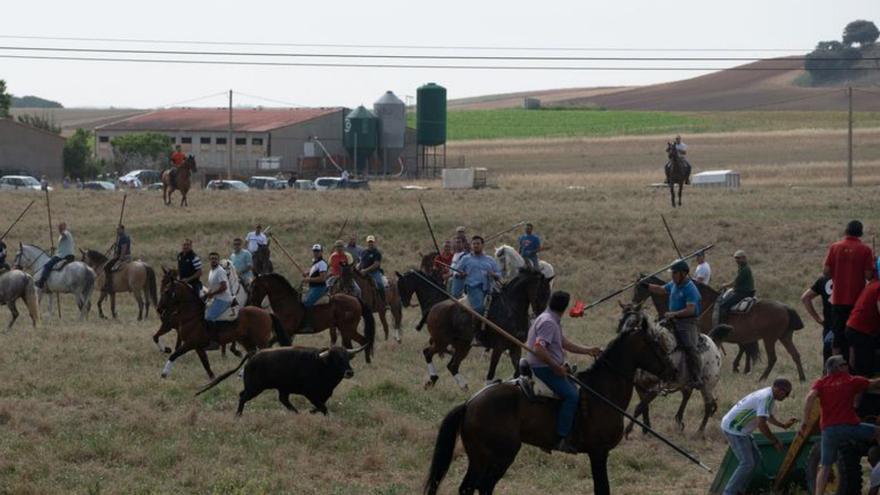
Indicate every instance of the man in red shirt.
{"type": "Point", "coordinates": [177, 159]}
{"type": "Point", "coordinates": [837, 392]}
{"type": "Point", "coordinates": [849, 263]}
{"type": "Point", "coordinates": [337, 260]}
{"type": "Point", "coordinates": [862, 328]}
{"type": "Point", "coordinates": [443, 261]}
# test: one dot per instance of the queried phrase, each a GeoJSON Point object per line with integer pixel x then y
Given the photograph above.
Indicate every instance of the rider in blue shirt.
{"type": "Point", "coordinates": [529, 245]}
{"type": "Point", "coordinates": [478, 271]}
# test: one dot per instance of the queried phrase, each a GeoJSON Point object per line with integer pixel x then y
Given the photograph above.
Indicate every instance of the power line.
{"type": "Point", "coordinates": [416, 66]}
{"type": "Point", "coordinates": [128, 51]}
{"type": "Point", "coordinates": [271, 100]}
{"type": "Point", "coordinates": [192, 100]}
{"type": "Point", "coordinates": [406, 47]}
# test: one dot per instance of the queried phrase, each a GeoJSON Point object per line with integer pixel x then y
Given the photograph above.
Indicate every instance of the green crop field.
{"type": "Point", "coordinates": [520, 123]}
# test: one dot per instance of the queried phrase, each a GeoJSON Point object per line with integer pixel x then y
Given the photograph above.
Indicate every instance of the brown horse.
{"type": "Point", "coordinates": [253, 329]}
{"type": "Point", "coordinates": [768, 320]}
{"type": "Point", "coordinates": [496, 421]}
{"type": "Point", "coordinates": [677, 173]}
{"type": "Point", "coordinates": [343, 311]}
{"type": "Point", "coordinates": [262, 261]}
{"type": "Point", "coordinates": [136, 277]}
{"type": "Point", "coordinates": [451, 327]}
{"type": "Point", "coordinates": [181, 182]}
{"type": "Point", "coordinates": [370, 297]}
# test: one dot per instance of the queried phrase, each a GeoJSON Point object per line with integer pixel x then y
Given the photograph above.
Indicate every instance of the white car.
{"type": "Point", "coordinates": [327, 183]}
{"type": "Point", "coordinates": [227, 185]}
{"type": "Point", "coordinates": [305, 185]}
{"type": "Point", "coordinates": [143, 176]}
{"type": "Point", "coordinates": [19, 182]}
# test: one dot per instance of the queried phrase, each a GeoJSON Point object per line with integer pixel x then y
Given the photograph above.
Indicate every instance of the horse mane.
{"type": "Point", "coordinates": [610, 350]}
{"type": "Point", "coordinates": [523, 277]}
{"type": "Point", "coordinates": [35, 247]}
{"type": "Point", "coordinates": [280, 279]}
{"type": "Point", "coordinates": [95, 255]}
{"type": "Point", "coordinates": [653, 279]}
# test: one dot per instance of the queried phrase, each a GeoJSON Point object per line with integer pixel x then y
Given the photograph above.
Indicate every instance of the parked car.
{"type": "Point", "coordinates": [145, 176]}
{"type": "Point", "coordinates": [264, 182]}
{"type": "Point", "coordinates": [305, 185]}
{"type": "Point", "coordinates": [155, 186]}
{"type": "Point", "coordinates": [20, 182]}
{"type": "Point", "coordinates": [227, 185]}
{"type": "Point", "coordinates": [326, 183]}
{"type": "Point", "coordinates": [99, 185]}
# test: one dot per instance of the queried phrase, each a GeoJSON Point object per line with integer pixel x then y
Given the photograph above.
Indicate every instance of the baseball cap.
{"type": "Point", "coordinates": [371, 238]}
{"type": "Point", "coordinates": [338, 244]}
{"type": "Point", "coordinates": [317, 247]}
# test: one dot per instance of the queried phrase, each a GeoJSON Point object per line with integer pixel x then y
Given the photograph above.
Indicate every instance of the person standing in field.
{"type": "Point", "coordinates": [703, 272]}
{"type": "Point", "coordinates": [753, 411]}
{"type": "Point", "coordinates": [862, 329]}
{"type": "Point", "coordinates": [837, 393]}
{"type": "Point", "coordinates": [529, 246]}
{"type": "Point", "coordinates": [849, 263]}
{"type": "Point", "coordinates": [822, 287]}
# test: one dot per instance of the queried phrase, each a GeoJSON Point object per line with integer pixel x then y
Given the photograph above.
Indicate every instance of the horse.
{"type": "Point", "coordinates": [428, 294]}
{"type": "Point", "coordinates": [343, 311]}
{"type": "Point", "coordinates": [136, 277]}
{"type": "Point", "coordinates": [370, 297]}
{"type": "Point", "coordinates": [181, 182]}
{"type": "Point", "coordinates": [16, 284]}
{"type": "Point", "coordinates": [73, 278]}
{"type": "Point", "coordinates": [254, 328]}
{"type": "Point", "coordinates": [677, 173]}
{"type": "Point", "coordinates": [511, 262]}
{"type": "Point", "coordinates": [452, 327]}
{"type": "Point", "coordinates": [768, 320]}
{"type": "Point", "coordinates": [262, 263]}
{"type": "Point", "coordinates": [495, 422]}
{"type": "Point", "coordinates": [649, 386]}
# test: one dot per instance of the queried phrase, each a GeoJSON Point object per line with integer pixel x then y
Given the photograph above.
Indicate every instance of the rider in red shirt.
{"type": "Point", "coordinates": [443, 261]}
{"type": "Point", "coordinates": [178, 158]}
{"type": "Point", "coordinates": [849, 263]}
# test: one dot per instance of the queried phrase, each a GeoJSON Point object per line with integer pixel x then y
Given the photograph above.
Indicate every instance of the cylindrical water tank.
{"type": "Point", "coordinates": [431, 115]}
{"type": "Point", "coordinates": [391, 112]}
{"type": "Point", "coordinates": [361, 130]}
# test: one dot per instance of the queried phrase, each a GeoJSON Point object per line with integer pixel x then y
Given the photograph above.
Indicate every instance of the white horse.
{"type": "Point", "coordinates": [16, 284]}
{"type": "Point", "coordinates": [511, 262]}
{"type": "Point", "coordinates": [74, 278]}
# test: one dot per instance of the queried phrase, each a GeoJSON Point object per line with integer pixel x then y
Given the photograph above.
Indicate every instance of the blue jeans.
{"type": "Point", "coordinates": [376, 275]}
{"type": "Point", "coordinates": [746, 452]}
{"type": "Point", "coordinates": [216, 309]}
{"type": "Point", "coordinates": [477, 298]}
{"type": "Point", "coordinates": [565, 390]}
{"type": "Point", "coordinates": [314, 294]}
{"type": "Point", "coordinates": [457, 287]}
{"type": "Point", "coordinates": [833, 437]}
{"type": "Point", "coordinates": [531, 260]}
{"type": "Point", "coordinates": [47, 269]}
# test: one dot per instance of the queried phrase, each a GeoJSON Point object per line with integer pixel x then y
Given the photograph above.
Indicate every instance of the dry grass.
{"type": "Point", "coordinates": [84, 411]}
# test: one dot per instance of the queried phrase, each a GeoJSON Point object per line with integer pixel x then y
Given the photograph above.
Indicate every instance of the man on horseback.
{"type": "Point", "coordinates": [371, 265]}
{"type": "Point", "coordinates": [64, 252]}
{"type": "Point", "coordinates": [479, 272]}
{"type": "Point", "coordinates": [219, 296]}
{"type": "Point", "coordinates": [443, 261]}
{"type": "Point", "coordinates": [684, 309]}
{"type": "Point", "coordinates": [121, 254]}
{"type": "Point", "coordinates": [457, 285]}
{"type": "Point", "coordinates": [529, 246]}
{"type": "Point", "coordinates": [703, 272]}
{"type": "Point", "coordinates": [316, 277]}
{"type": "Point", "coordinates": [189, 266]}
{"type": "Point", "coordinates": [743, 286]}
{"type": "Point", "coordinates": [461, 235]}
{"type": "Point", "coordinates": [256, 238]}
{"type": "Point", "coordinates": [548, 364]}
{"type": "Point", "coordinates": [178, 158]}
{"type": "Point", "coordinates": [243, 262]}
{"type": "Point", "coordinates": [339, 259]}
{"type": "Point", "coordinates": [353, 249]}
{"type": "Point", "coordinates": [681, 151]}
{"type": "Point", "coordinates": [4, 267]}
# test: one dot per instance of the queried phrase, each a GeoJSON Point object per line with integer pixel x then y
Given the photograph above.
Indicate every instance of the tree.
{"type": "Point", "coordinates": [5, 100]}
{"type": "Point", "coordinates": [830, 61]}
{"type": "Point", "coordinates": [44, 122]}
{"type": "Point", "coordinates": [862, 32]}
{"type": "Point", "coordinates": [143, 150]}
{"type": "Point", "coordinates": [78, 156]}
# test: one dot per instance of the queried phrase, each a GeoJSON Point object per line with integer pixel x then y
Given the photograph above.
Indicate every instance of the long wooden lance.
{"type": "Point", "coordinates": [499, 234]}
{"type": "Point", "coordinates": [430, 228]}
{"type": "Point", "coordinates": [28, 207]}
{"type": "Point", "coordinates": [121, 216]}
{"type": "Point", "coordinates": [630, 286]}
{"type": "Point", "coordinates": [286, 253]}
{"type": "Point", "coordinates": [668, 231]}
{"type": "Point", "coordinates": [341, 229]}
{"type": "Point", "coordinates": [513, 340]}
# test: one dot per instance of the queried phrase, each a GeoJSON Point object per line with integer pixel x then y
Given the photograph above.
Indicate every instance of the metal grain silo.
{"type": "Point", "coordinates": [391, 112]}
{"type": "Point", "coordinates": [431, 115]}
{"type": "Point", "coordinates": [361, 136]}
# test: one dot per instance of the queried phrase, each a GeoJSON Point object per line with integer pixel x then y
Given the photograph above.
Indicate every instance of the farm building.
{"type": "Point", "coordinates": [265, 140]}
{"type": "Point", "coordinates": [28, 150]}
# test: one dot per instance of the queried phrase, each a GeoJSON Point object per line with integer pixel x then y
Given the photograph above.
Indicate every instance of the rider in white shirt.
{"type": "Point", "coordinates": [256, 239]}
{"type": "Point", "coordinates": [703, 272]}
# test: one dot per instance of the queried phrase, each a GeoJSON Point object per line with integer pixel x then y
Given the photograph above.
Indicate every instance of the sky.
{"type": "Point", "coordinates": [631, 24]}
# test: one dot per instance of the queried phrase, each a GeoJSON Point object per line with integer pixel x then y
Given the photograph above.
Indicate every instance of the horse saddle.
{"type": "Point", "coordinates": [64, 262]}
{"type": "Point", "coordinates": [231, 313]}
{"type": "Point", "coordinates": [744, 306]}
{"type": "Point", "coordinates": [531, 386]}
{"type": "Point", "coordinates": [325, 299]}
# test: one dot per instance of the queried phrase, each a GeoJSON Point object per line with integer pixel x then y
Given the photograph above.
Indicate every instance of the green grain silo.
{"type": "Point", "coordinates": [431, 115]}
{"type": "Point", "coordinates": [361, 136]}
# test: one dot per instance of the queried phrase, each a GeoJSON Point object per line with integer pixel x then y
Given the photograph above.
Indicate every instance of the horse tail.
{"type": "Point", "coordinates": [224, 376]}
{"type": "Point", "coordinates": [444, 448]}
{"type": "Point", "coordinates": [369, 326]}
{"type": "Point", "coordinates": [152, 292]}
{"type": "Point", "coordinates": [30, 299]}
{"type": "Point", "coordinates": [719, 333]}
{"type": "Point", "coordinates": [794, 320]}
{"type": "Point", "coordinates": [280, 334]}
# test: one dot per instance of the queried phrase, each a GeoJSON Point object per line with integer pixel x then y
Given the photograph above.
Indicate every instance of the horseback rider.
{"type": "Point", "coordinates": [353, 249]}
{"type": "Point", "coordinates": [529, 246]}
{"type": "Point", "coordinates": [256, 238]}
{"type": "Point", "coordinates": [316, 277]}
{"type": "Point", "coordinates": [121, 254]}
{"type": "Point", "coordinates": [443, 261]}
{"type": "Point", "coordinates": [743, 286]}
{"type": "Point", "coordinates": [64, 252]}
{"type": "Point", "coordinates": [371, 265]}
{"type": "Point", "coordinates": [243, 262]}
{"type": "Point", "coordinates": [339, 259]}
{"type": "Point", "coordinates": [684, 309]}
{"type": "Point", "coordinates": [457, 285]}
{"type": "Point", "coordinates": [461, 235]}
{"type": "Point", "coordinates": [189, 266]}
{"type": "Point", "coordinates": [178, 158]}
{"type": "Point", "coordinates": [681, 149]}
{"type": "Point", "coordinates": [219, 295]}
{"type": "Point", "coordinates": [703, 272]}
{"type": "Point", "coordinates": [548, 364]}
{"type": "Point", "coordinates": [4, 267]}
{"type": "Point", "coordinates": [479, 271]}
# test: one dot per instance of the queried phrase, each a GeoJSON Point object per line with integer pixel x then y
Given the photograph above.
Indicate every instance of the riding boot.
{"type": "Point", "coordinates": [692, 361]}
{"type": "Point", "coordinates": [213, 340]}
{"type": "Point", "coordinates": [563, 444]}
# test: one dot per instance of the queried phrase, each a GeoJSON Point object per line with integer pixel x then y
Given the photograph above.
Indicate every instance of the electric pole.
{"type": "Point", "coordinates": [229, 142]}
{"type": "Point", "coordinates": [849, 162]}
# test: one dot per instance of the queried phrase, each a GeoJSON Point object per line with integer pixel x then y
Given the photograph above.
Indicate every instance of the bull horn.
{"type": "Point", "coordinates": [352, 352]}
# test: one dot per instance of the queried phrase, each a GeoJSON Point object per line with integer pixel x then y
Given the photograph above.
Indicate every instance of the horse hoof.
{"type": "Point", "coordinates": [431, 381]}
{"type": "Point", "coordinates": [164, 375]}
{"type": "Point", "coordinates": [167, 350]}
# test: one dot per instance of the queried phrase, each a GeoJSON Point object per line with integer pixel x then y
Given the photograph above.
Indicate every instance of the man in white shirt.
{"type": "Point", "coordinates": [219, 295]}
{"type": "Point", "coordinates": [753, 411]}
{"type": "Point", "coordinates": [703, 272]}
{"type": "Point", "coordinates": [256, 239]}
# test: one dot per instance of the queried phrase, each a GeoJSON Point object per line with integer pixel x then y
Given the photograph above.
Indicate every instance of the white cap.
{"type": "Point", "coordinates": [317, 247]}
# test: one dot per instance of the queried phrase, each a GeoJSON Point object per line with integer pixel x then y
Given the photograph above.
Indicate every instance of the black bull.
{"type": "Point", "coordinates": [312, 373]}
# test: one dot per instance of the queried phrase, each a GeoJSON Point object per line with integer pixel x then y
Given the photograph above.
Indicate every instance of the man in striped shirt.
{"type": "Point", "coordinates": [753, 411]}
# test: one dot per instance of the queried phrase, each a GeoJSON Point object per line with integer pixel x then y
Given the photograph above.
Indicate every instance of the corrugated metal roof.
{"type": "Point", "coordinates": [217, 119]}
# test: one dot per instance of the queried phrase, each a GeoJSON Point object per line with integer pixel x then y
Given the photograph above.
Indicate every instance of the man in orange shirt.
{"type": "Point", "coordinates": [443, 261]}
{"type": "Point", "coordinates": [177, 159]}
{"type": "Point", "coordinates": [337, 260]}
{"type": "Point", "coordinates": [849, 263]}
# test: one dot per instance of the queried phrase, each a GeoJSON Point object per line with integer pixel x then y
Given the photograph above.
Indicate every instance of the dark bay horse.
{"type": "Point", "coordinates": [262, 261]}
{"type": "Point", "coordinates": [343, 312]}
{"type": "Point", "coordinates": [451, 327]}
{"type": "Point", "coordinates": [428, 294]}
{"type": "Point", "coordinates": [678, 172]}
{"type": "Point", "coordinates": [496, 421]}
{"type": "Point", "coordinates": [769, 321]}
{"type": "Point", "coordinates": [135, 276]}
{"type": "Point", "coordinates": [370, 297]}
{"type": "Point", "coordinates": [181, 183]}
{"type": "Point", "coordinates": [254, 328]}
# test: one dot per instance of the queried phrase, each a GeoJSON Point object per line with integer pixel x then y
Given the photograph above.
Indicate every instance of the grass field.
{"type": "Point", "coordinates": [550, 123]}
{"type": "Point", "coordinates": [83, 409]}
